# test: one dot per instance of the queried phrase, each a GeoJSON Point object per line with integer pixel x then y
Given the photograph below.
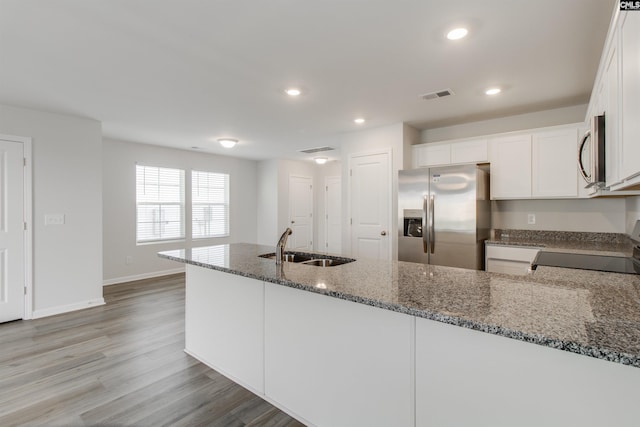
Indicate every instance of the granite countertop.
{"type": "Point", "coordinates": [611, 244]}
{"type": "Point", "coordinates": [586, 312]}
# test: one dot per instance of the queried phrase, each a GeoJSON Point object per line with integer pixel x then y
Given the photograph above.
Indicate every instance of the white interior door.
{"type": "Point", "coordinates": [301, 213]}
{"type": "Point", "coordinates": [12, 258]}
{"type": "Point", "coordinates": [333, 214]}
{"type": "Point", "coordinates": [370, 206]}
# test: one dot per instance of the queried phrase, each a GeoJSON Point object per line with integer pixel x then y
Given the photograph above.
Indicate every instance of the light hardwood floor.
{"type": "Point", "coordinates": [121, 364]}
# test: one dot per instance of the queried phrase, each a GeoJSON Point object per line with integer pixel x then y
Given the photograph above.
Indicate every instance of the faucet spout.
{"type": "Point", "coordinates": [281, 245]}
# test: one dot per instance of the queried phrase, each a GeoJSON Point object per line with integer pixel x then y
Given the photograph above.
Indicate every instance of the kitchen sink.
{"type": "Point", "coordinates": [310, 259]}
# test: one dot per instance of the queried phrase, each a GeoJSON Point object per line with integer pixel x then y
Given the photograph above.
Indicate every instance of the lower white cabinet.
{"type": "Point", "coordinates": [338, 363]}
{"type": "Point", "coordinates": [471, 378]}
{"type": "Point", "coordinates": [224, 324]}
{"type": "Point", "coordinates": [509, 259]}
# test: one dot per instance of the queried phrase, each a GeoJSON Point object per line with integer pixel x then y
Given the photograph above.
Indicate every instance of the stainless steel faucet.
{"type": "Point", "coordinates": [281, 244]}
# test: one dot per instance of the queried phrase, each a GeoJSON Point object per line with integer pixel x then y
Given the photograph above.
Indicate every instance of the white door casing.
{"type": "Point", "coordinates": [370, 205]}
{"type": "Point", "coordinates": [300, 213]}
{"type": "Point", "coordinates": [333, 214]}
{"type": "Point", "coordinates": [14, 241]}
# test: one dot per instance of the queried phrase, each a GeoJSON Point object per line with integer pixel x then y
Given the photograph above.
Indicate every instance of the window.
{"type": "Point", "coordinates": [159, 204]}
{"type": "Point", "coordinates": [209, 204]}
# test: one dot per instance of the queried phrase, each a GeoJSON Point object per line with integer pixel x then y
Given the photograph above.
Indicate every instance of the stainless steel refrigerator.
{"type": "Point", "coordinates": [444, 215]}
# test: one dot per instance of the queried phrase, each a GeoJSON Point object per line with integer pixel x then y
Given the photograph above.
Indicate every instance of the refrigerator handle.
{"type": "Point", "coordinates": [425, 234]}
{"type": "Point", "coordinates": [432, 234]}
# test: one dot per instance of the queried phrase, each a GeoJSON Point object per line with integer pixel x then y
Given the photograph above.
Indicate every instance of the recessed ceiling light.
{"type": "Point", "coordinates": [227, 142]}
{"type": "Point", "coordinates": [457, 33]}
{"type": "Point", "coordinates": [293, 91]}
{"type": "Point", "coordinates": [359, 120]}
{"type": "Point", "coordinates": [493, 91]}
{"type": "Point", "coordinates": [320, 160]}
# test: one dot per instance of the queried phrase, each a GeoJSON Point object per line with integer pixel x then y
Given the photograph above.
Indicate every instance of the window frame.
{"type": "Point", "coordinates": [181, 206]}
{"type": "Point", "coordinates": [226, 178]}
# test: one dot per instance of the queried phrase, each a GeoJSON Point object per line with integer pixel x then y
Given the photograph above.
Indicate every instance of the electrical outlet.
{"type": "Point", "coordinates": [531, 218]}
{"type": "Point", "coordinates": [128, 260]}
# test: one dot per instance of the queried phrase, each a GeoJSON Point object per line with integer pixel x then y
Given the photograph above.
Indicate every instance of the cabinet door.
{"type": "Point", "coordinates": [630, 93]}
{"type": "Point", "coordinates": [433, 155]}
{"type": "Point", "coordinates": [510, 158]}
{"type": "Point", "coordinates": [554, 163]}
{"type": "Point", "coordinates": [612, 115]}
{"type": "Point", "coordinates": [474, 151]}
{"type": "Point", "coordinates": [335, 362]}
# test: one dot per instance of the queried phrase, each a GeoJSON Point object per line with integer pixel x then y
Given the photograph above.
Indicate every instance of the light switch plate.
{"type": "Point", "coordinates": [531, 218]}
{"type": "Point", "coordinates": [54, 219]}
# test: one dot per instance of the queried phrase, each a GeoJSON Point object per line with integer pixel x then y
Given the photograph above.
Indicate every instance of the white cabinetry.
{"type": "Point", "coordinates": [630, 95]}
{"type": "Point", "coordinates": [611, 110]}
{"type": "Point", "coordinates": [509, 259]}
{"type": "Point", "coordinates": [338, 363]}
{"type": "Point", "coordinates": [447, 153]}
{"type": "Point", "coordinates": [472, 151]}
{"type": "Point", "coordinates": [433, 155]}
{"type": "Point", "coordinates": [510, 158]}
{"type": "Point", "coordinates": [470, 378]}
{"type": "Point", "coordinates": [553, 164]}
{"type": "Point", "coordinates": [224, 324]}
{"type": "Point", "coordinates": [540, 164]}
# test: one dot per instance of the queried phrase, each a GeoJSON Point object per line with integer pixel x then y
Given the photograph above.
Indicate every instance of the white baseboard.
{"type": "Point", "coordinates": [151, 275]}
{"type": "Point", "coordinates": [52, 311]}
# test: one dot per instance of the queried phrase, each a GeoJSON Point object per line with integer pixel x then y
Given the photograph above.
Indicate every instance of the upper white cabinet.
{"type": "Point", "coordinates": [432, 154]}
{"type": "Point", "coordinates": [553, 159]}
{"type": "Point", "coordinates": [510, 158]}
{"type": "Point", "coordinates": [472, 151]}
{"type": "Point", "coordinates": [616, 94]}
{"type": "Point", "coordinates": [447, 153]}
{"type": "Point", "coordinates": [540, 164]}
{"type": "Point", "coordinates": [630, 95]}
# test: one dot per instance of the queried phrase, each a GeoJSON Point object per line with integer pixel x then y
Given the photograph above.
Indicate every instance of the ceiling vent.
{"type": "Point", "coordinates": [316, 150]}
{"type": "Point", "coordinates": [438, 94]}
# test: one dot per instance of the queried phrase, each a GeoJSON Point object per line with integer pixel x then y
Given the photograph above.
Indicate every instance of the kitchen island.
{"type": "Point", "coordinates": [395, 343]}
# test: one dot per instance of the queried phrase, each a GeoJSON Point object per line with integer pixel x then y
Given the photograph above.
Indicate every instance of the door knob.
{"type": "Point", "coordinates": [383, 233]}
{"type": "Point", "coordinates": [293, 222]}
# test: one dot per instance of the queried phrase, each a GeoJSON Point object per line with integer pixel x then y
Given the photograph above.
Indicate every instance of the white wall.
{"type": "Point", "coordinates": [632, 212]}
{"type": "Point", "coordinates": [558, 116]}
{"type": "Point", "coordinates": [267, 208]}
{"type": "Point", "coordinates": [606, 215]}
{"type": "Point", "coordinates": [67, 180]}
{"type": "Point", "coordinates": [119, 196]}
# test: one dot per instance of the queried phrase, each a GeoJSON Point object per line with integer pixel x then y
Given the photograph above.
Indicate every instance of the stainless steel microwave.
{"type": "Point", "coordinates": [591, 154]}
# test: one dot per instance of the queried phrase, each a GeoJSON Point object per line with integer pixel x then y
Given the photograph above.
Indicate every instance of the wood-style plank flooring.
{"type": "Point", "coordinates": [121, 364]}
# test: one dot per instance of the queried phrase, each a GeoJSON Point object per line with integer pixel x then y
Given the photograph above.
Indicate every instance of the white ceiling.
{"type": "Point", "coordinates": [178, 73]}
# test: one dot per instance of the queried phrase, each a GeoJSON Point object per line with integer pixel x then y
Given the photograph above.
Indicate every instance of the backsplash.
{"type": "Point", "coordinates": [567, 236]}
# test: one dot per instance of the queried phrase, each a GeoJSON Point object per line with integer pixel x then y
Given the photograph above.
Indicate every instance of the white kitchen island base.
{"type": "Point", "coordinates": [332, 362]}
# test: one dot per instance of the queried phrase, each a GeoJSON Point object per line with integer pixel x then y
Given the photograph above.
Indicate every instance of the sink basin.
{"type": "Point", "coordinates": [310, 259]}
{"type": "Point", "coordinates": [290, 256]}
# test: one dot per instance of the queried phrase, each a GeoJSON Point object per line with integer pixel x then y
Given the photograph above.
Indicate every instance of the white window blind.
{"type": "Point", "coordinates": [159, 203]}
{"type": "Point", "coordinates": [209, 204]}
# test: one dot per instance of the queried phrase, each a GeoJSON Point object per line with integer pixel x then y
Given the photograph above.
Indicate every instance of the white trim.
{"type": "Point", "coordinates": [142, 276]}
{"type": "Point", "coordinates": [28, 219]}
{"type": "Point", "coordinates": [389, 152]}
{"type": "Point", "coordinates": [52, 311]}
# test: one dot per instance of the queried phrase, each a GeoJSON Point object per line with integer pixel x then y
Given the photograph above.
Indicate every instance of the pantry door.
{"type": "Point", "coordinates": [12, 230]}
{"type": "Point", "coordinates": [370, 194]}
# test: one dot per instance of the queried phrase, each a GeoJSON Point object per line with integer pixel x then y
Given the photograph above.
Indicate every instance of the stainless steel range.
{"type": "Point", "coordinates": [612, 264]}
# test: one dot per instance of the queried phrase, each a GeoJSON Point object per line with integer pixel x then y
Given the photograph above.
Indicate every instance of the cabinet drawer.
{"type": "Point", "coordinates": [512, 253]}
